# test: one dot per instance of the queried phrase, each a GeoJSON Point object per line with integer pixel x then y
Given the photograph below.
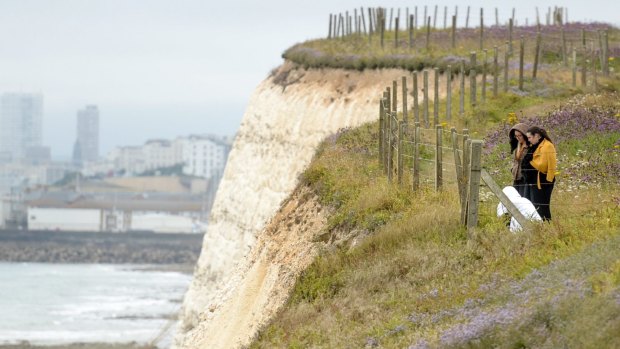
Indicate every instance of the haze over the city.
{"type": "Point", "coordinates": [163, 68]}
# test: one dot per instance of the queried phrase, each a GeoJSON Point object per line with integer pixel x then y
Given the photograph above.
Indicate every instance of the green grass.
{"type": "Point", "coordinates": [417, 258]}
{"type": "Point", "coordinates": [408, 272]}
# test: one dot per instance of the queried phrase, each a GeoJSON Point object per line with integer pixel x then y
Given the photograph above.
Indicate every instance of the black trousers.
{"type": "Point", "coordinates": [541, 198]}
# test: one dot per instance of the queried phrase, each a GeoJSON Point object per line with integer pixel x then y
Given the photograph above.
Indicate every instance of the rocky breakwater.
{"type": "Point", "coordinates": [288, 115]}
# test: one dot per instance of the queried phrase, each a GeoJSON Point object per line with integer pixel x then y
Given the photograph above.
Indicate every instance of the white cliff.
{"type": "Point", "coordinates": [288, 115]}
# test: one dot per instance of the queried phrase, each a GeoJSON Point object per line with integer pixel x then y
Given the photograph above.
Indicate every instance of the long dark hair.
{"type": "Point", "coordinates": [539, 131]}
{"type": "Point", "coordinates": [514, 141]}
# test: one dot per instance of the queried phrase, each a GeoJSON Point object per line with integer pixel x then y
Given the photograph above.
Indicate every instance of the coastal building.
{"type": "Point", "coordinates": [205, 155]}
{"type": "Point", "coordinates": [115, 212]}
{"type": "Point", "coordinates": [21, 124]}
{"type": "Point", "coordinates": [201, 156]}
{"type": "Point", "coordinates": [86, 148]}
{"type": "Point", "coordinates": [160, 153]}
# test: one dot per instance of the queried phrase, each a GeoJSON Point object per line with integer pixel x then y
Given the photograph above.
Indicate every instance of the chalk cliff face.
{"type": "Point", "coordinates": [289, 114]}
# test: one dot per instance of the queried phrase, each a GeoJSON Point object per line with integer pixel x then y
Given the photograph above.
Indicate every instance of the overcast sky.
{"type": "Point", "coordinates": [164, 68]}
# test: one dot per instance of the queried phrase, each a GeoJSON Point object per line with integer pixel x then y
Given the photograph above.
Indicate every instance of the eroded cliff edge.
{"type": "Point", "coordinates": [288, 115]}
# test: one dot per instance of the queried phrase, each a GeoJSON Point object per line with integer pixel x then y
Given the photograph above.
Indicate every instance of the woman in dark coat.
{"type": "Point", "coordinates": [518, 145]}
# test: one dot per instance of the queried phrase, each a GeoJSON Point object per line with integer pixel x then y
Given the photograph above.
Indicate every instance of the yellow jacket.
{"type": "Point", "coordinates": [545, 161]}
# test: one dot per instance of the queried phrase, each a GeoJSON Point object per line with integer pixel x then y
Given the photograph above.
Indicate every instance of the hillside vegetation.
{"type": "Point", "coordinates": [418, 279]}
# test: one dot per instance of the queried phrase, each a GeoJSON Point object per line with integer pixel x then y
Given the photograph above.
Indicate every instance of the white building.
{"type": "Point", "coordinates": [204, 156]}
{"type": "Point", "coordinates": [130, 158]}
{"type": "Point", "coordinates": [86, 148]}
{"type": "Point", "coordinates": [160, 153]}
{"type": "Point", "coordinates": [21, 118]}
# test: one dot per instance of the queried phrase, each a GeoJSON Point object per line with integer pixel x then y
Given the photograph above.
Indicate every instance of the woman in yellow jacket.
{"type": "Point", "coordinates": [544, 161]}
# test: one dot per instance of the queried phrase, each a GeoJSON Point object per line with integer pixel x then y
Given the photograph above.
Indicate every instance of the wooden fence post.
{"type": "Point", "coordinates": [436, 97]}
{"type": "Point", "coordinates": [512, 209]}
{"type": "Point", "coordinates": [415, 17]}
{"type": "Point", "coordinates": [564, 58]}
{"type": "Point", "coordinates": [600, 48]}
{"type": "Point", "coordinates": [390, 145]}
{"type": "Point", "coordinates": [481, 28]}
{"type": "Point", "coordinates": [605, 53]}
{"type": "Point", "coordinates": [363, 19]}
{"type": "Point", "coordinates": [416, 107]}
{"type": "Point", "coordinates": [449, 93]}
{"type": "Point", "coordinates": [536, 54]}
{"type": "Point", "coordinates": [426, 98]}
{"type": "Point", "coordinates": [583, 37]}
{"type": "Point", "coordinates": [457, 163]}
{"type": "Point", "coordinates": [416, 157]}
{"type": "Point", "coordinates": [438, 157]}
{"type": "Point", "coordinates": [483, 95]}
{"type": "Point", "coordinates": [453, 32]}
{"type": "Point", "coordinates": [584, 62]}
{"type": "Point", "coordinates": [465, 177]}
{"type": "Point", "coordinates": [329, 33]}
{"type": "Point", "coordinates": [396, 33]}
{"type": "Point", "coordinates": [370, 23]}
{"type": "Point", "coordinates": [495, 72]}
{"type": "Point", "coordinates": [435, 18]}
{"type": "Point", "coordinates": [381, 129]}
{"type": "Point", "coordinates": [510, 24]}
{"type": "Point", "coordinates": [506, 55]}
{"type": "Point", "coordinates": [382, 30]}
{"type": "Point", "coordinates": [410, 32]}
{"type": "Point", "coordinates": [388, 115]}
{"type": "Point", "coordinates": [521, 54]}
{"type": "Point", "coordinates": [462, 90]}
{"type": "Point", "coordinates": [404, 88]}
{"type": "Point", "coordinates": [395, 97]}
{"type": "Point", "coordinates": [346, 22]}
{"type": "Point", "coordinates": [574, 67]}
{"type": "Point", "coordinates": [474, 184]}
{"type": "Point", "coordinates": [467, 19]}
{"type": "Point", "coordinates": [472, 87]}
{"type": "Point", "coordinates": [594, 75]}
{"type": "Point", "coordinates": [402, 127]}
{"type": "Point", "coordinates": [428, 33]}
{"type": "Point", "coordinates": [445, 17]}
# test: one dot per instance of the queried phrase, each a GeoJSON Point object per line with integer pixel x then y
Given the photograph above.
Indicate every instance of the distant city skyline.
{"type": "Point", "coordinates": [164, 68]}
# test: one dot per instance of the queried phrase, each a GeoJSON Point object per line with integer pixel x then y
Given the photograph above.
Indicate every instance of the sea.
{"type": "Point", "coordinates": [49, 304]}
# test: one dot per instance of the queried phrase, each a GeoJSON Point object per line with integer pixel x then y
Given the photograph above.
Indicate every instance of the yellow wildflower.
{"type": "Point", "coordinates": [512, 118]}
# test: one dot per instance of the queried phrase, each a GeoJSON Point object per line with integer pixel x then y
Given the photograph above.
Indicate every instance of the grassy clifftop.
{"type": "Point", "coordinates": [418, 280]}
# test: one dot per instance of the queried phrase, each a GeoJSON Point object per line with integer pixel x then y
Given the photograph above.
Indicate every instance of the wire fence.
{"type": "Point", "coordinates": [558, 36]}
{"type": "Point", "coordinates": [447, 159]}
